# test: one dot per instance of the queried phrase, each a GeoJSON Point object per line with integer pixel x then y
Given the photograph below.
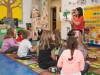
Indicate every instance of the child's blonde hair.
{"type": "Point", "coordinates": [10, 33]}
{"type": "Point", "coordinates": [46, 39]}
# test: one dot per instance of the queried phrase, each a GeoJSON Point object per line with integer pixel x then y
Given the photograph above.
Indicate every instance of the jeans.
{"type": "Point", "coordinates": [86, 67]}
{"type": "Point", "coordinates": [29, 55]}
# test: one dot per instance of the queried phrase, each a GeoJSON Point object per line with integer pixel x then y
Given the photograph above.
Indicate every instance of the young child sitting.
{"type": "Point", "coordinates": [19, 33]}
{"type": "Point", "coordinates": [71, 60]}
{"type": "Point", "coordinates": [46, 57]}
{"type": "Point", "coordinates": [25, 50]}
{"type": "Point", "coordinates": [58, 42]}
{"type": "Point", "coordinates": [10, 44]}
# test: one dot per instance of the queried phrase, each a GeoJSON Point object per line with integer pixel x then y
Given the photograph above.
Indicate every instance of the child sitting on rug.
{"type": "Point", "coordinates": [58, 42]}
{"type": "Point", "coordinates": [47, 57]}
{"type": "Point", "coordinates": [10, 44]}
{"type": "Point", "coordinates": [82, 45]}
{"type": "Point", "coordinates": [20, 33]}
{"type": "Point", "coordinates": [71, 60]}
{"type": "Point", "coordinates": [25, 50]}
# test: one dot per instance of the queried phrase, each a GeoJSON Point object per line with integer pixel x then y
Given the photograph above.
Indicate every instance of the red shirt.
{"type": "Point", "coordinates": [81, 20]}
{"type": "Point", "coordinates": [19, 39]}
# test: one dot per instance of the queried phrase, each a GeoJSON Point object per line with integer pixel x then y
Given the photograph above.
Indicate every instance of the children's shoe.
{"type": "Point", "coordinates": [54, 70]}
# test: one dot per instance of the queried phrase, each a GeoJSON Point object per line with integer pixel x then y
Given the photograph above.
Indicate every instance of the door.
{"type": "Point", "coordinates": [53, 18]}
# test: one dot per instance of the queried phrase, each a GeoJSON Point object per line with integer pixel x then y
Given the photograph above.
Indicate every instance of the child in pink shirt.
{"type": "Point", "coordinates": [10, 44]}
{"type": "Point", "coordinates": [71, 60]}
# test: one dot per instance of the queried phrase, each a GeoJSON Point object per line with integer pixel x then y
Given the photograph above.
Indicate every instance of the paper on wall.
{"type": "Point", "coordinates": [3, 30]}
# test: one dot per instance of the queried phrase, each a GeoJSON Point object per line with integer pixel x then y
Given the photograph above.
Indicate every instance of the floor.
{"type": "Point", "coordinates": [11, 67]}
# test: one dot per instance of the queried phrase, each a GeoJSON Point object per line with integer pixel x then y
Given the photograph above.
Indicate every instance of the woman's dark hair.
{"type": "Point", "coordinates": [72, 45]}
{"type": "Point", "coordinates": [80, 10]}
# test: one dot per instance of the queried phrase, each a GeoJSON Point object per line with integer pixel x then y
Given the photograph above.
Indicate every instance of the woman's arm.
{"type": "Point", "coordinates": [80, 20]}
{"type": "Point", "coordinates": [76, 23]}
{"type": "Point", "coordinates": [71, 22]}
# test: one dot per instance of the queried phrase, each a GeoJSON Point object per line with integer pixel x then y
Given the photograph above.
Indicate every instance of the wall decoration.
{"type": "Point", "coordinates": [11, 9]}
{"type": "Point", "coordinates": [81, 2]}
{"type": "Point", "coordinates": [42, 20]}
{"type": "Point", "coordinates": [92, 24]}
{"type": "Point", "coordinates": [28, 26]}
{"type": "Point", "coordinates": [94, 1]}
{"type": "Point", "coordinates": [37, 9]}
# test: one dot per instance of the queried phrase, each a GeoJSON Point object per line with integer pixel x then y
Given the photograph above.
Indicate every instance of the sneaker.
{"type": "Point", "coordinates": [54, 70]}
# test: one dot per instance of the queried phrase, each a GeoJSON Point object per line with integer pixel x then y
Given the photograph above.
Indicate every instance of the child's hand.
{"type": "Point", "coordinates": [34, 48]}
{"type": "Point", "coordinates": [64, 43]}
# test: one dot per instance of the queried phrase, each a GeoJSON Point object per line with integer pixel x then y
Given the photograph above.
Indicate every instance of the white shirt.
{"type": "Point", "coordinates": [24, 48]}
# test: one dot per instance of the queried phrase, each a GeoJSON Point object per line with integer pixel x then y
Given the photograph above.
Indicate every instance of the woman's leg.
{"type": "Point", "coordinates": [86, 67]}
{"type": "Point", "coordinates": [11, 49]}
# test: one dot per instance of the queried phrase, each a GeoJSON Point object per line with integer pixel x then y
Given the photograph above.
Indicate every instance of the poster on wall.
{"type": "Point", "coordinates": [93, 1]}
{"type": "Point", "coordinates": [92, 24]}
{"type": "Point", "coordinates": [40, 21]}
{"type": "Point", "coordinates": [37, 9]}
{"type": "Point", "coordinates": [14, 10]}
{"type": "Point", "coordinates": [28, 26]}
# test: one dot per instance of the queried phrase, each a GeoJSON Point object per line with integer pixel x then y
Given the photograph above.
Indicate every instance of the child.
{"type": "Point", "coordinates": [82, 47]}
{"type": "Point", "coordinates": [71, 60]}
{"type": "Point", "coordinates": [58, 42]}
{"type": "Point", "coordinates": [10, 44]}
{"type": "Point", "coordinates": [25, 50]}
{"type": "Point", "coordinates": [20, 33]}
{"type": "Point", "coordinates": [46, 57]}
{"type": "Point", "coordinates": [73, 33]}
{"type": "Point", "coordinates": [39, 33]}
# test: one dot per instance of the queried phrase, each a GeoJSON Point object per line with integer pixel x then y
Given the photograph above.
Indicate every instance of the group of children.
{"type": "Point", "coordinates": [21, 45]}
{"type": "Point", "coordinates": [69, 56]}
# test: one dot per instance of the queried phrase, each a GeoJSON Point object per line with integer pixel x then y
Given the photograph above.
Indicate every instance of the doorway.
{"type": "Point", "coordinates": [53, 18]}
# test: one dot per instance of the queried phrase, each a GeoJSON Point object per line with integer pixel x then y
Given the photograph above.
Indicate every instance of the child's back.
{"type": "Point", "coordinates": [71, 60]}
{"type": "Point", "coordinates": [25, 50]}
{"type": "Point", "coordinates": [74, 66]}
{"type": "Point", "coordinates": [24, 47]}
{"type": "Point", "coordinates": [10, 44]}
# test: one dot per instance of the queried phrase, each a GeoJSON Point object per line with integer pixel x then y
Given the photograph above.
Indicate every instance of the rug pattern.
{"type": "Point", "coordinates": [33, 64]}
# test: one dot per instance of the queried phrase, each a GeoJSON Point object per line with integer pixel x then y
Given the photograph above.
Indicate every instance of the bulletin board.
{"type": "Point", "coordinates": [92, 24]}
{"type": "Point", "coordinates": [39, 16]}
{"type": "Point", "coordinates": [11, 9]}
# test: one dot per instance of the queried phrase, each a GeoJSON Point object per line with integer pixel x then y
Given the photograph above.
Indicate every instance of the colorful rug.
{"type": "Point", "coordinates": [94, 64]}
{"type": "Point", "coordinates": [33, 65]}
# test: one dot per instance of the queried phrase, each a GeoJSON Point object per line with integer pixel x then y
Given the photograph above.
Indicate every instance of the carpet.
{"type": "Point", "coordinates": [94, 64]}
{"type": "Point", "coordinates": [33, 65]}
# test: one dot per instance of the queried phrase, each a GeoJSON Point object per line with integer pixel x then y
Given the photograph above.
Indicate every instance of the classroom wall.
{"type": "Point", "coordinates": [65, 6]}
{"type": "Point", "coordinates": [57, 4]}
{"type": "Point", "coordinates": [27, 7]}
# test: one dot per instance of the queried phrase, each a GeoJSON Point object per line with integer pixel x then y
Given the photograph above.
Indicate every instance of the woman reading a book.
{"type": "Point", "coordinates": [77, 21]}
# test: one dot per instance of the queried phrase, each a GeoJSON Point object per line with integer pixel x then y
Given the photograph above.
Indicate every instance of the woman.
{"type": "Point", "coordinates": [77, 20]}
